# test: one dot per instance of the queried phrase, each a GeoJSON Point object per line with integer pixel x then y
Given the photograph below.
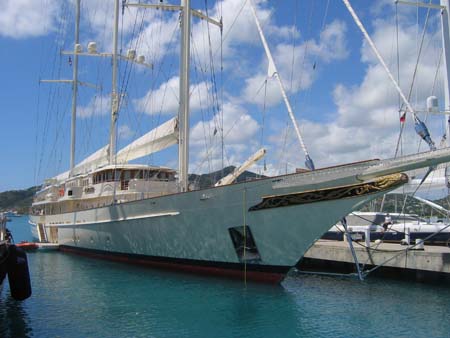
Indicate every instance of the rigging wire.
{"type": "Point", "coordinates": [206, 131]}
{"type": "Point", "coordinates": [307, 93]}
{"type": "Point", "coordinates": [53, 98]}
{"type": "Point", "coordinates": [420, 127]}
{"type": "Point", "coordinates": [209, 153]}
{"type": "Point", "coordinates": [261, 142]}
{"type": "Point", "coordinates": [419, 53]}
{"type": "Point", "coordinates": [400, 139]}
{"type": "Point", "coordinates": [216, 107]}
{"type": "Point", "coordinates": [305, 53]}
{"type": "Point", "coordinates": [293, 46]}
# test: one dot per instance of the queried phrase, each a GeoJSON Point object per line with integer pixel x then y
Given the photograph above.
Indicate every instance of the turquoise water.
{"type": "Point", "coordinates": [81, 297]}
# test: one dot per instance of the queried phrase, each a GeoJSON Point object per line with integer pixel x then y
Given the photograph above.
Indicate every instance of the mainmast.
{"type": "Point", "coordinates": [114, 94]}
{"type": "Point", "coordinates": [74, 89]}
{"type": "Point", "coordinates": [183, 114]}
{"type": "Point", "coordinates": [445, 18]}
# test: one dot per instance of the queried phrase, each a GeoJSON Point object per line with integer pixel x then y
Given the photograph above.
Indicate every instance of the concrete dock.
{"type": "Point", "coordinates": [430, 264]}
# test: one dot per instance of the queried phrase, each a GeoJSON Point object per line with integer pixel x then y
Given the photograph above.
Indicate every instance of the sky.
{"type": "Point", "coordinates": [345, 105]}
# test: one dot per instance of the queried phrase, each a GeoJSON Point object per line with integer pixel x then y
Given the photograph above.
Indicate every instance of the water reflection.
{"type": "Point", "coordinates": [131, 301]}
{"type": "Point", "coordinates": [14, 319]}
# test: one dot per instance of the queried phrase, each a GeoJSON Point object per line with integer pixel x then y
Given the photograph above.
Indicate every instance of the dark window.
{"type": "Point", "coordinates": [117, 175]}
{"type": "Point", "coordinates": [244, 244]}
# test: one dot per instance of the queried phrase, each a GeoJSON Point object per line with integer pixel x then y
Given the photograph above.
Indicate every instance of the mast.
{"type": "Point", "coordinates": [445, 18]}
{"type": "Point", "coordinates": [114, 94]}
{"type": "Point", "coordinates": [183, 141]}
{"type": "Point", "coordinates": [183, 113]}
{"type": "Point", "coordinates": [74, 89]}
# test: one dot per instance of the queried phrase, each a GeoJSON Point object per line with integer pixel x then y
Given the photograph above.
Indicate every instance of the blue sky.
{"type": "Point", "coordinates": [343, 100]}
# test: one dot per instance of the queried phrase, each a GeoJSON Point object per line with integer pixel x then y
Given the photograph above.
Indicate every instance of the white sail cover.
{"type": "Point", "coordinates": [92, 162]}
{"type": "Point", "coordinates": [155, 140]}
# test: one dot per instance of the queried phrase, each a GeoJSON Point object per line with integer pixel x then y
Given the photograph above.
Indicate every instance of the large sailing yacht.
{"type": "Point", "coordinates": [105, 207]}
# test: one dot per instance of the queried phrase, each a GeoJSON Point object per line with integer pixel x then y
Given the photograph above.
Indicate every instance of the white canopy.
{"type": "Point", "coordinates": [155, 140]}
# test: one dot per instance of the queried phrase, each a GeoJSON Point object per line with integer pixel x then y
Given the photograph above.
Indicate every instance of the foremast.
{"type": "Point", "coordinates": [74, 82]}
{"type": "Point", "coordinates": [114, 94]}
{"type": "Point", "coordinates": [445, 17]}
{"type": "Point", "coordinates": [183, 113]}
{"type": "Point", "coordinates": [74, 90]}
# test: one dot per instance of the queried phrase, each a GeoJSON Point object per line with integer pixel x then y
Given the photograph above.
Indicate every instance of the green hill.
{"type": "Point", "coordinates": [397, 202]}
{"type": "Point", "coordinates": [19, 200]}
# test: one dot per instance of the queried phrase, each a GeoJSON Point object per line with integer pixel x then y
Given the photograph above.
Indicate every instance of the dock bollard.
{"type": "Point", "coordinates": [367, 237]}
{"type": "Point", "coordinates": [407, 238]}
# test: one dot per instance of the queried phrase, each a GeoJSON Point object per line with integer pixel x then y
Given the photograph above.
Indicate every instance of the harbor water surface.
{"type": "Point", "coordinates": [81, 297]}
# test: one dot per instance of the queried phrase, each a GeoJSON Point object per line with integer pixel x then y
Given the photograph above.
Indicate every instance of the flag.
{"type": "Point", "coordinates": [271, 70]}
{"type": "Point", "coordinates": [403, 117]}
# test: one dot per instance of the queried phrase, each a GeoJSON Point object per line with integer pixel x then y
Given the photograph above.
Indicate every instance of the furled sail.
{"type": "Point", "coordinates": [92, 162]}
{"type": "Point", "coordinates": [155, 140]}
{"type": "Point", "coordinates": [97, 159]}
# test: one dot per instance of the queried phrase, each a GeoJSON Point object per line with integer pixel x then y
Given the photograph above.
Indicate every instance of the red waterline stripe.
{"type": "Point", "coordinates": [272, 277]}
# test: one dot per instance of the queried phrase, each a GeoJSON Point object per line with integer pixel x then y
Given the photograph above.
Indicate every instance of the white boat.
{"type": "Point", "coordinates": [12, 213]}
{"type": "Point", "coordinates": [107, 208]}
{"type": "Point", "coordinates": [392, 227]}
{"type": "Point", "coordinates": [402, 227]}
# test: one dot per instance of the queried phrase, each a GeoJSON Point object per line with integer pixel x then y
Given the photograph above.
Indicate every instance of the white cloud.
{"type": "Point", "coordinates": [99, 105]}
{"type": "Point", "coordinates": [366, 124]}
{"type": "Point", "coordinates": [239, 130]}
{"type": "Point", "coordinates": [125, 132]}
{"type": "Point", "coordinates": [164, 100]}
{"type": "Point", "coordinates": [28, 18]}
{"type": "Point", "coordinates": [330, 47]}
{"type": "Point", "coordinates": [239, 30]}
{"type": "Point", "coordinates": [156, 37]}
